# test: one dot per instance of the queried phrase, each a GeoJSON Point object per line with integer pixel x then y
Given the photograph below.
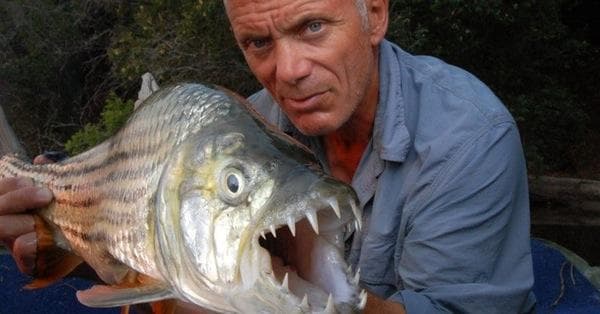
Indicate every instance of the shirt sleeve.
{"type": "Point", "coordinates": [466, 245]}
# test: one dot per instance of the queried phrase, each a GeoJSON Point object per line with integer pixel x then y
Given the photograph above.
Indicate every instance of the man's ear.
{"type": "Point", "coordinates": [378, 11]}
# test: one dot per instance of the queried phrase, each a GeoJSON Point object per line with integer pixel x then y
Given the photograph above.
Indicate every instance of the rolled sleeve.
{"type": "Point", "coordinates": [466, 245]}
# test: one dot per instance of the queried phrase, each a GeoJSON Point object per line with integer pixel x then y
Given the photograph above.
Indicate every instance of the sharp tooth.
{"type": "Point", "coordinates": [292, 225]}
{"type": "Point", "coordinates": [312, 218]}
{"type": "Point", "coordinates": [330, 308]}
{"type": "Point", "coordinates": [349, 270]}
{"type": "Point", "coordinates": [262, 234]}
{"type": "Point", "coordinates": [363, 299]}
{"type": "Point", "coordinates": [357, 277]}
{"type": "Point", "coordinates": [357, 214]}
{"type": "Point", "coordinates": [273, 231]}
{"type": "Point", "coordinates": [304, 302]}
{"type": "Point", "coordinates": [336, 208]}
{"type": "Point", "coordinates": [284, 283]}
{"type": "Point", "coordinates": [356, 225]}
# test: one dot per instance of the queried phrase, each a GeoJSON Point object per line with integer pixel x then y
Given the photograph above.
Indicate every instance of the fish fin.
{"type": "Point", "coordinates": [167, 306]}
{"type": "Point", "coordinates": [52, 263]}
{"type": "Point", "coordinates": [110, 270]}
{"type": "Point", "coordinates": [148, 87]}
{"type": "Point", "coordinates": [9, 143]}
{"type": "Point", "coordinates": [144, 290]}
{"type": "Point", "coordinates": [125, 309]}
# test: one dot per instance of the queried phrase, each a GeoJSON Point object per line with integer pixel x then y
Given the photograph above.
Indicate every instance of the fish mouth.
{"type": "Point", "coordinates": [306, 253]}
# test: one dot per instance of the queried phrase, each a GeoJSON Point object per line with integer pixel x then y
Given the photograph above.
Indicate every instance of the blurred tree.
{"type": "Point", "coordinates": [179, 40]}
{"type": "Point", "coordinates": [54, 71]}
{"type": "Point", "coordinates": [528, 56]}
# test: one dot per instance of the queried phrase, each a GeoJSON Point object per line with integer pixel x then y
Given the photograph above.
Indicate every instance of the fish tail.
{"type": "Point", "coordinates": [9, 143]}
{"type": "Point", "coordinates": [52, 262]}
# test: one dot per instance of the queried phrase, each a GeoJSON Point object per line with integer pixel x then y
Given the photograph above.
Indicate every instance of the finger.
{"type": "Point", "coordinates": [13, 226]}
{"type": "Point", "coordinates": [41, 159]}
{"type": "Point", "coordinates": [23, 199]}
{"type": "Point", "coordinates": [14, 183]}
{"type": "Point", "coordinates": [24, 252]}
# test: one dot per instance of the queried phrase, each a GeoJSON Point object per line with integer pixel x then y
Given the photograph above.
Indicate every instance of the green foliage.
{"type": "Point", "coordinates": [114, 115]}
{"type": "Point", "coordinates": [53, 66]}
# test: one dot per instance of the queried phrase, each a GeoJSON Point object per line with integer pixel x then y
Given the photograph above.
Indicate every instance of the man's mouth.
{"type": "Point", "coordinates": [303, 103]}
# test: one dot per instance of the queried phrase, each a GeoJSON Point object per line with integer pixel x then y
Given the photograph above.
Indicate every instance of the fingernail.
{"type": "Point", "coordinates": [44, 194]}
{"type": "Point", "coordinates": [27, 253]}
{"type": "Point", "coordinates": [30, 241]}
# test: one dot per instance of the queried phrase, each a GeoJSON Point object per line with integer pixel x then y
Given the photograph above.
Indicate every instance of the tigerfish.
{"type": "Point", "coordinates": [197, 198]}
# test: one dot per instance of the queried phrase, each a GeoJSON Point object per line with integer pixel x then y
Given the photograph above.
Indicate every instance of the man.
{"type": "Point", "coordinates": [433, 155]}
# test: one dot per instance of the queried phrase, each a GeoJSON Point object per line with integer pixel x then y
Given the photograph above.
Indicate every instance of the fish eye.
{"type": "Point", "coordinates": [232, 185]}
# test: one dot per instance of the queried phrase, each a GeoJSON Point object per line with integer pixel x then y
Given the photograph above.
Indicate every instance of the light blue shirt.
{"type": "Point", "coordinates": [443, 187]}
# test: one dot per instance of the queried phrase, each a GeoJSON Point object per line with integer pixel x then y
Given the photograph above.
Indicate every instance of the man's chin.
{"type": "Point", "coordinates": [315, 130]}
{"type": "Point", "coordinates": [315, 124]}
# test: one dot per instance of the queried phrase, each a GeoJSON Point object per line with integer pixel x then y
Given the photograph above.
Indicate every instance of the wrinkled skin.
{"type": "Point", "coordinates": [317, 58]}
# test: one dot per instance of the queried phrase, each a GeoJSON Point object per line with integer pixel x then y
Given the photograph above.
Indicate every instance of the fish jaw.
{"type": "Point", "coordinates": [233, 272]}
{"type": "Point", "coordinates": [314, 278]}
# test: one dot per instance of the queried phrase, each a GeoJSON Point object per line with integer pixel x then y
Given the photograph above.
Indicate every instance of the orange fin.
{"type": "Point", "coordinates": [167, 306]}
{"type": "Point", "coordinates": [125, 309]}
{"type": "Point", "coordinates": [52, 263]}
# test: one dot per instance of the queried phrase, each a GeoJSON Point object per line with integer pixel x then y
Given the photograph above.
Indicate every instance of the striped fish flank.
{"type": "Point", "coordinates": [102, 195]}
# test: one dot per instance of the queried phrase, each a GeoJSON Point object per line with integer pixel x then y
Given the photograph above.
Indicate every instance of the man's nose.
{"type": "Point", "coordinates": [292, 64]}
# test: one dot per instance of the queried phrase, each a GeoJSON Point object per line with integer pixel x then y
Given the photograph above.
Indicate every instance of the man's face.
{"type": "Point", "coordinates": [316, 57]}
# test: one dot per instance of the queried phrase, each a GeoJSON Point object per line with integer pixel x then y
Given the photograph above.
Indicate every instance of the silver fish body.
{"type": "Point", "coordinates": [190, 193]}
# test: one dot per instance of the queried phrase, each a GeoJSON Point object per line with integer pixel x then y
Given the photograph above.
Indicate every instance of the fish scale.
{"type": "Point", "coordinates": [174, 204]}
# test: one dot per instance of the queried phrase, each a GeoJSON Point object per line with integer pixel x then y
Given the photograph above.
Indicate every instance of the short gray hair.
{"type": "Point", "coordinates": [360, 5]}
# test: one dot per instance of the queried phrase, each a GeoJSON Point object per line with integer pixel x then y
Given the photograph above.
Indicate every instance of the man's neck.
{"type": "Point", "coordinates": [343, 154]}
{"type": "Point", "coordinates": [344, 147]}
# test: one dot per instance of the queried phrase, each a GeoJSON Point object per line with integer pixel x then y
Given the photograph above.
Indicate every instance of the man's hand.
{"type": "Point", "coordinates": [377, 305]}
{"type": "Point", "coordinates": [17, 195]}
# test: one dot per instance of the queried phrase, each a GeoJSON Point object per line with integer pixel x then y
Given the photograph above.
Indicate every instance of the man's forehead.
{"type": "Point", "coordinates": [257, 6]}
{"type": "Point", "coordinates": [243, 11]}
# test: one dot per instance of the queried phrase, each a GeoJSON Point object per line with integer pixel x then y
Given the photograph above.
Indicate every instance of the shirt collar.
{"type": "Point", "coordinates": [391, 138]}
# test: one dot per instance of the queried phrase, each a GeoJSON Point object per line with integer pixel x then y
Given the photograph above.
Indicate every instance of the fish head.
{"type": "Point", "coordinates": [246, 221]}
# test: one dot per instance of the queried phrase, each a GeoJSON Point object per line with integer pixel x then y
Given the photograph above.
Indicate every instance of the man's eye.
{"type": "Point", "coordinates": [258, 43]}
{"type": "Point", "coordinates": [315, 26]}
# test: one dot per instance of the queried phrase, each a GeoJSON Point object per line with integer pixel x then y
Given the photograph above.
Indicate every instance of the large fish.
{"type": "Point", "coordinates": [197, 199]}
